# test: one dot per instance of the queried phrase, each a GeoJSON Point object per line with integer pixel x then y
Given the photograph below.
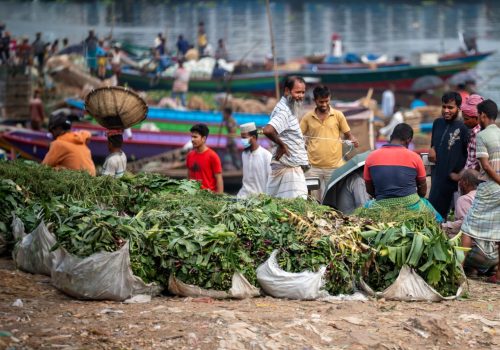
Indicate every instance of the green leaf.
{"type": "Point", "coordinates": [439, 253]}
{"type": "Point", "coordinates": [434, 275]}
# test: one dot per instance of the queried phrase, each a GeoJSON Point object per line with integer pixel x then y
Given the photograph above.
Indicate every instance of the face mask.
{"type": "Point", "coordinates": [245, 142]}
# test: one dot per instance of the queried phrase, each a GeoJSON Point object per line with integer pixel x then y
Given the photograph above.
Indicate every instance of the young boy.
{"type": "Point", "coordinates": [116, 162]}
{"type": "Point", "coordinates": [203, 163]}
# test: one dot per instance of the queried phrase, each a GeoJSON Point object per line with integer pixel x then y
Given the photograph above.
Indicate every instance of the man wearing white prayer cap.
{"type": "Point", "coordinates": [256, 162]}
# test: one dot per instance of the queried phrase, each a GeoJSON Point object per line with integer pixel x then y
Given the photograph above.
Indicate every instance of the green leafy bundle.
{"type": "Point", "coordinates": [12, 198]}
{"type": "Point", "coordinates": [414, 239]}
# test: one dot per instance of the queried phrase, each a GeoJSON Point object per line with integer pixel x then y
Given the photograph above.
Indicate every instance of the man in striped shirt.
{"type": "Point", "coordinates": [289, 160]}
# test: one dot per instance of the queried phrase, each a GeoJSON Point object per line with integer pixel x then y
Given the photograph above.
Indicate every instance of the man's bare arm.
{"type": "Point", "coordinates": [422, 187]}
{"type": "Point", "coordinates": [485, 164]}
{"type": "Point", "coordinates": [219, 187]}
{"type": "Point", "coordinates": [271, 134]}
{"type": "Point", "coordinates": [351, 138]}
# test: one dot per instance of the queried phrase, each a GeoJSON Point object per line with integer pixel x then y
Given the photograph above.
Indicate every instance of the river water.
{"type": "Point", "coordinates": [301, 28]}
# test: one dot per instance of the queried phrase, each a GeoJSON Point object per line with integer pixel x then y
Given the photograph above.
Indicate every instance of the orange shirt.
{"type": "Point", "coordinates": [71, 152]}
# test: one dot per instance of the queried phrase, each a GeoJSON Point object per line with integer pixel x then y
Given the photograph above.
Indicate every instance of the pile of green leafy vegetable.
{"type": "Point", "coordinates": [202, 238]}
{"type": "Point", "coordinates": [415, 239]}
{"type": "Point", "coordinates": [175, 228]}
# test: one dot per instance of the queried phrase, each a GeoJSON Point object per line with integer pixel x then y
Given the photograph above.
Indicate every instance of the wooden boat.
{"type": "Point", "coordinates": [340, 78]}
{"type": "Point", "coordinates": [142, 144]}
{"type": "Point", "coordinates": [159, 115]}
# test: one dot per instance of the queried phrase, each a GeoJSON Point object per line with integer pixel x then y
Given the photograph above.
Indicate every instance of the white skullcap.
{"type": "Point", "coordinates": [248, 127]}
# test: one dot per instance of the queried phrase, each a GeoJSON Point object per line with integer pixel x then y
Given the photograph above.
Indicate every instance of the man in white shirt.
{"type": "Point", "coordinates": [388, 102]}
{"type": "Point", "coordinates": [116, 162]}
{"type": "Point", "coordinates": [290, 159]}
{"type": "Point", "coordinates": [256, 163]}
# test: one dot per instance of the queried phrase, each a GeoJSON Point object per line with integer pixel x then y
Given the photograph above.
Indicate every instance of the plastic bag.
{"type": "Point", "coordinates": [281, 284]}
{"type": "Point", "coordinates": [409, 286]}
{"type": "Point", "coordinates": [33, 252]}
{"type": "Point", "coordinates": [101, 276]}
{"type": "Point", "coordinates": [240, 289]}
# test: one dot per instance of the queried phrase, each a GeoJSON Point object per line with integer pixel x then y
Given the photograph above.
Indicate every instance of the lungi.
{"type": "Point", "coordinates": [482, 222]}
{"type": "Point", "coordinates": [286, 182]}
{"type": "Point", "coordinates": [412, 202]}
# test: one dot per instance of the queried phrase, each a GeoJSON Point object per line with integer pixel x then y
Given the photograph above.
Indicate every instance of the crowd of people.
{"type": "Point", "coordinates": [465, 150]}
{"type": "Point", "coordinates": [20, 51]}
{"type": "Point", "coordinates": [465, 173]}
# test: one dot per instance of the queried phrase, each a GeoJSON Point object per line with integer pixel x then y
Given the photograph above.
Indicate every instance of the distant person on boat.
{"type": "Point", "coordinates": [38, 47]}
{"type": "Point", "coordinates": [469, 43]}
{"type": "Point", "coordinates": [90, 45]}
{"type": "Point", "coordinates": [256, 162]}
{"type": "Point", "coordinates": [449, 141]}
{"type": "Point", "coordinates": [388, 102]}
{"type": "Point", "coordinates": [24, 54]}
{"type": "Point", "coordinates": [54, 48]}
{"type": "Point", "coordinates": [203, 163]}
{"type": "Point", "coordinates": [4, 47]}
{"type": "Point", "coordinates": [116, 60]}
{"type": "Point", "coordinates": [65, 43]}
{"type": "Point", "coordinates": [336, 47]}
{"type": "Point", "coordinates": [395, 176]}
{"type": "Point", "coordinates": [182, 46]}
{"type": "Point", "coordinates": [417, 101]}
{"type": "Point", "coordinates": [181, 83]}
{"type": "Point", "coordinates": [102, 60]}
{"type": "Point", "coordinates": [202, 39]}
{"type": "Point", "coordinates": [289, 160]}
{"type": "Point", "coordinates": [69, 149]}
{"type": "Point", "coordinates": [482, 222]}
{"type": "Point", "coordinates": [116, 162]}
{"type": "Point", "coordinates": [323, 128]}
{"type": "Point", "coordinates": [36, 111]}
{"type": "Point", "coordinates": [231, 127]}
{"type": "Point", "coordinates": [221, 52]}
{"type": "Point", "coordinates": [159, 43]}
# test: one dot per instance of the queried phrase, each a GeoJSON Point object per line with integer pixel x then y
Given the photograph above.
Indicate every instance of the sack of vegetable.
{"type": "Point", "coordinates": [409, 286]}
{"type": "Point", "coordinates": [278, 283]}
{"type": "Point", "coordinates": [240, 289]}
{"type": "Point", "coordinates": [412, 259]}
{"type": "Point", "coordinates": [101, 276]}
{"type": "Point", "coordinates": [33, 253]}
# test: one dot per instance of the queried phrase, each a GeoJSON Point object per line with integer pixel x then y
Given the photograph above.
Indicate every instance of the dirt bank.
{"type": "Point", "coordinates": [50, 320]}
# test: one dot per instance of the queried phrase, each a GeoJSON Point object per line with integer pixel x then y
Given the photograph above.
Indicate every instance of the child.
{"type": "Point", "coordinates": [116, 162]}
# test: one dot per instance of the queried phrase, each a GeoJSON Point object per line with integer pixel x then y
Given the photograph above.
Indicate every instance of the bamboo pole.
{"type": "Point", "coordinates": [273, 50]}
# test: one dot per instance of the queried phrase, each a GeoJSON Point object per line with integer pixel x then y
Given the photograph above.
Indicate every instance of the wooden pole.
{"type": "Point", "coordinates": [273, 50]}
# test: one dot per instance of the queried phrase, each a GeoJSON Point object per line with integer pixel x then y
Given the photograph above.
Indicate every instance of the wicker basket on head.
{"type": "Point", "coordinates": [115, 107]}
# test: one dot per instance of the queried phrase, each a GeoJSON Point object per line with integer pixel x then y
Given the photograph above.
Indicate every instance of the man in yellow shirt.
{"type": "Point", "coordinates": [322, 129]}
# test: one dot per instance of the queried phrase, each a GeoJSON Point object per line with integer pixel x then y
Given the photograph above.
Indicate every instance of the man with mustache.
{"type": "Point", "coordinates": [289, 159]}
{"type": "Point", "coordinates": [322, 129]}
{"type": "Point", "coordinates": [449, 141]}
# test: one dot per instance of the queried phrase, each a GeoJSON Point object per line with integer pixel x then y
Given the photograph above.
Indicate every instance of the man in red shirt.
{"type": "Point", "coordinates": [203, 163]}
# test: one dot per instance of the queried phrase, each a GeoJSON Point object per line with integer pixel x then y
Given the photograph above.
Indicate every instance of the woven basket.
{"type": "Point", "coordinates": [116, 107]}
{"type": "Point", "coordinates": [413, 119]}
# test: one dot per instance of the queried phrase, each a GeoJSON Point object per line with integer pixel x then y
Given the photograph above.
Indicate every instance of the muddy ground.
{"type": "Point", "coordinates": [49, 319]}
